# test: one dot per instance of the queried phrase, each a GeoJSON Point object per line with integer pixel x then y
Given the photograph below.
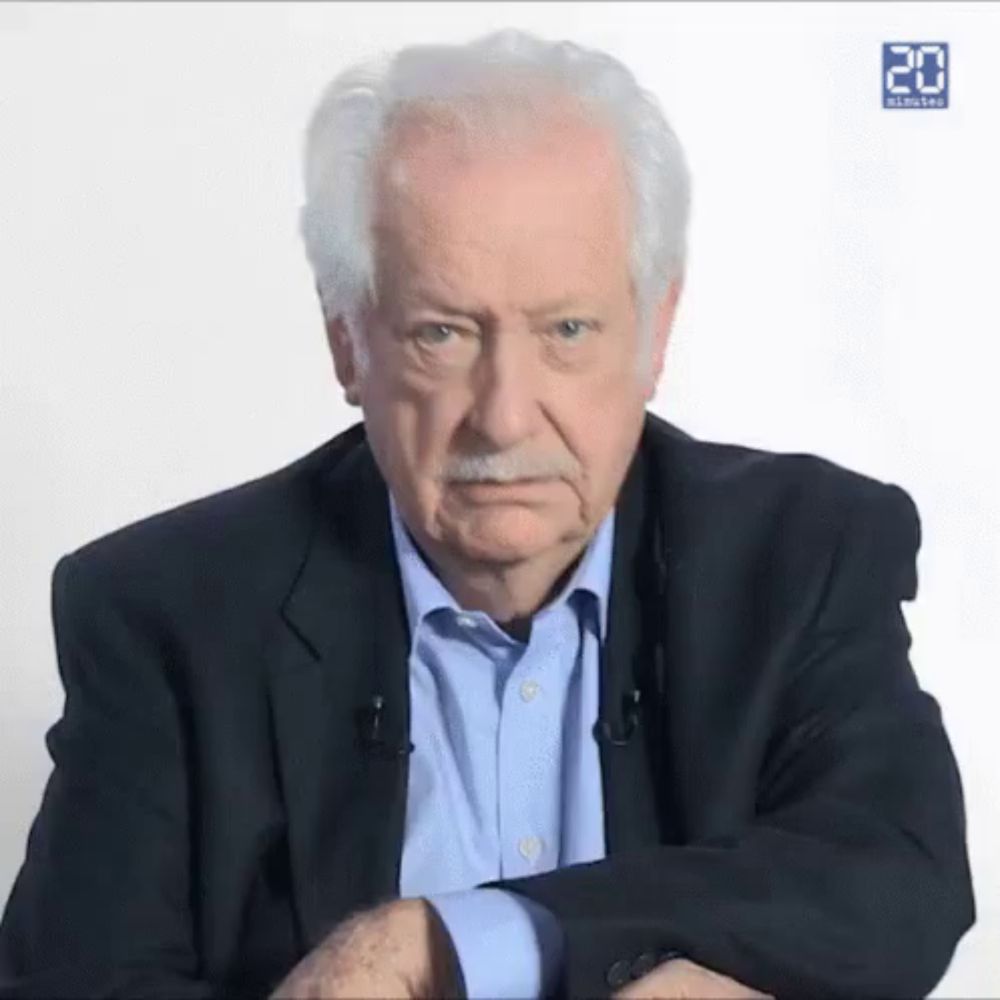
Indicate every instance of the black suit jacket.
{"type": "Point", "coordinates": [787, 810]}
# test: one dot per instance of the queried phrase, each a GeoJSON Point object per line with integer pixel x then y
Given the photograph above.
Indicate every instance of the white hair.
{"type": "Point", "coordinates": [494, 78]}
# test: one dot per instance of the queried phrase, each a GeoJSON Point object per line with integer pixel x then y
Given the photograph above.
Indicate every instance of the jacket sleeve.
{"type": "Point", "coordinates": [852, 878]}
{"type": "Point", "coordinates": [101, 905]}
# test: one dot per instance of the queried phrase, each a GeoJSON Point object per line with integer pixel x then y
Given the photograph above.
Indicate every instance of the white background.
{"type": "Point", "coordinates": [160, 340]}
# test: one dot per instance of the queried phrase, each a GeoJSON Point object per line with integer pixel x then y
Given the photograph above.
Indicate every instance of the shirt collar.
{"type": "Point", "coordinates": [423, 591]}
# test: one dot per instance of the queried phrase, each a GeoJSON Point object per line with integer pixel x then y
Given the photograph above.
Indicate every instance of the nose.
{"type": "Point", "coordinates": [505, 408]}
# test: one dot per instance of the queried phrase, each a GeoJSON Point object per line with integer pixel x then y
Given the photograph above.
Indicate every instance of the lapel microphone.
{"type": "Point", "coordinates": [604, 732]}
{"type": "Point", "coordinates": [373, 742]}
{"type": "Point", "coordinates": [371, 739]}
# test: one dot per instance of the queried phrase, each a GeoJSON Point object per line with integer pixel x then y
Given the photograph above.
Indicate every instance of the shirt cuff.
{"type": "Point", "coordinates": [507, 945]}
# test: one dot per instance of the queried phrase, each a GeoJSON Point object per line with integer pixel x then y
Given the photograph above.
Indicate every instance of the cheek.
{"type": "Point", "coordinates": [416, 426]}
{"type": "Point", "coordinates": [605, 429]}
{"type": "Point", "coordinates": [600, 407]}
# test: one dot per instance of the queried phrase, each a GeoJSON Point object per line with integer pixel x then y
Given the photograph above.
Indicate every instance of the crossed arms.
{"type": "Point", "coordinates": [851, 881]}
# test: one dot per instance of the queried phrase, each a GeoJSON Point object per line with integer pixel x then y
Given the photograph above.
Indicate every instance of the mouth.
{"type": "Point", "coordinates": [520, 481]}
{"type": "Point", "coordinates": [493, 488]}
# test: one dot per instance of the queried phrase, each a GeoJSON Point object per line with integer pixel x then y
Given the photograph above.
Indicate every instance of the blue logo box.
{"type": "Point", "coordinates": [915, 74]}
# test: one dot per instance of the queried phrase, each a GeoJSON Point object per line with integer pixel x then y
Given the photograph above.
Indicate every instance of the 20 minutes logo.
{"type": "Point", "coordinates": [915, 75]}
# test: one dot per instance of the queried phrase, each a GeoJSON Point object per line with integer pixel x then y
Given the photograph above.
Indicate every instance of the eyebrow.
{"type": "Point", "coordinates": [567, 304]}
{"type": "Point", "coordinates": [420, 298]}
{"type": "Point", "coordinates": [425, 298]}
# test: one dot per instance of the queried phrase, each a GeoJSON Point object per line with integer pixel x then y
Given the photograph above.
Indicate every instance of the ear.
{"type": "Point", "coordinates": [344, 364]}
{"type": "Point", "coordinates": [663, 323]}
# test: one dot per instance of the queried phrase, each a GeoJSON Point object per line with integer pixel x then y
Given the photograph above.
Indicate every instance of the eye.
{"type": "Point", "coordinates": [572, 329]}
{"type": "Point", "coordinates": [434, 333]}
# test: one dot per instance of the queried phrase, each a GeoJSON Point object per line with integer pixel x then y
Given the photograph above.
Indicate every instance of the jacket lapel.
{"type": "Point", "coordinates": [631, 818]}
{"type": "Point", "coordinates": [346, 643]}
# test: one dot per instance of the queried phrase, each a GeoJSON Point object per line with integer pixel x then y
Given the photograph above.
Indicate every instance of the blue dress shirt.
{"type": "Point", "coordinates": [505, 776]}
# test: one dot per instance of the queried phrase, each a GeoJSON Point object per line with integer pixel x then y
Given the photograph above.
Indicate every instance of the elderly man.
{"type": "Point", "coordinates": [512, 689]}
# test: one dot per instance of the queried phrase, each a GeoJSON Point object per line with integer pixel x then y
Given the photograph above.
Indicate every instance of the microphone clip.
{"type": "Point", "coordinates": [371, 739]}
{"type": "Point", "coordinates": [604, 732]}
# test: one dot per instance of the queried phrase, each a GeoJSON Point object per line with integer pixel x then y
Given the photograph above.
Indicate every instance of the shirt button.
{"type": "Point", "coordinates": [529, 689]}
{"type": "Point", "coordinates": [618, 973]}
{"type": "Point", "coordinates": [466, 621]}
{"type": "Point", "coordinates": [529, 847]}
{"type": "Point", "coordinates": [642, 964]}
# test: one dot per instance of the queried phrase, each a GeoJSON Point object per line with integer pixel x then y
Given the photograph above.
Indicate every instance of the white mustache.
{"type": "Point", "coordinates": [507, 467]}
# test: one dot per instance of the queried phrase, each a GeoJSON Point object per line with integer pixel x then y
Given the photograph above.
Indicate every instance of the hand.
{"type": "Point", "coordinates": [399, 949]}
{"type": "Point", "coordinates": [682, 979]}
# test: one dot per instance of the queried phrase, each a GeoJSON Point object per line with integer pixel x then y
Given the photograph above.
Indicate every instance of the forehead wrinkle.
{"type": "Point", "coordinates": [446, 231]}
{"type": "Point", "coordinates": [424, 221]}
{"type": "Point", "coordinates": [443, 281]}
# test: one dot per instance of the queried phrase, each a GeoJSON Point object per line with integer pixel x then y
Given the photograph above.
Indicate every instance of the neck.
{"type": "Point", "coordinates": [510, 593]}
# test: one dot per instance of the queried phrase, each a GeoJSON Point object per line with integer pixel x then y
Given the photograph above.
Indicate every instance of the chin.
{"type": "Point", "coordinates": [505, 534]}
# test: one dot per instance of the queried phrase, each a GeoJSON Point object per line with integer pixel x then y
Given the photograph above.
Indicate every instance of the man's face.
{"type": "Point", "coordinates": [505, 332]}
